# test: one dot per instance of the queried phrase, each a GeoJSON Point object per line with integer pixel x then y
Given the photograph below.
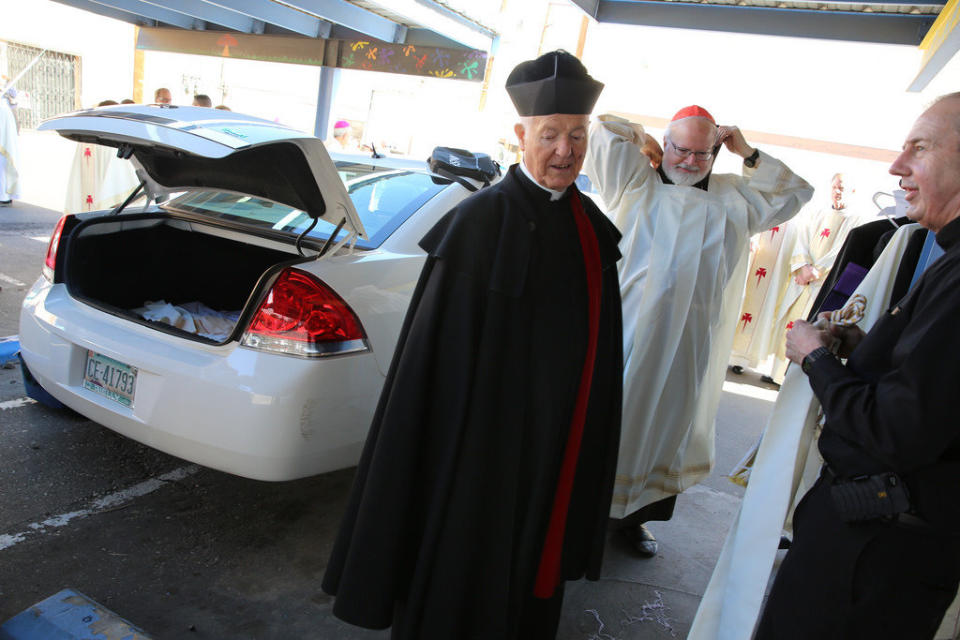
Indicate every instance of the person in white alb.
{"type": "Point", "coordinates": [767, 275]}
{"type": "Point", "coordinates": [98, 178]}
{"type": "Point", "coordinates": [685, 239]}
{"type": "Point", "coordinates": [9, 152]}
{"type": "Point", "coordinates": [341, 140]}
{"type": "Point", "coordinates": [818, 240]}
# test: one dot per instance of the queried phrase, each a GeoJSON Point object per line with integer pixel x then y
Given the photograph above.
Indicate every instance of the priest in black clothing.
{"type": "Point", "coordinates": [487, 475]}
{"type": "Point", "coordinates": [876, 547]}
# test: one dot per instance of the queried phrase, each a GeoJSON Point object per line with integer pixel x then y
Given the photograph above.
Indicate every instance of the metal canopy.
{"type": "Point", "coordinates": [904, 22]}
{"type": "Point", "coordinates": [376, 35]}
{"type": "Point", "coordinates": [940, 45]}
{"type": "Point", "coordinates": [417, 22]}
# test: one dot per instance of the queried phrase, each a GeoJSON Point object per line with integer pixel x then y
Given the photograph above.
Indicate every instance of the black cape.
{"type": "Point", "coordinates": [444, 529]}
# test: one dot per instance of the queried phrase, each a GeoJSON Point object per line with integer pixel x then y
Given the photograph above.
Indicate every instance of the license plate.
{"type": "Point", "coordinates": [110, 378]}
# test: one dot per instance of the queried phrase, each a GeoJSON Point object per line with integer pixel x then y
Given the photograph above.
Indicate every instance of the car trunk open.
{"type": "Point", "coordinates": [189, 148]}
{"type": "Point", "coordinates": [119, 264]}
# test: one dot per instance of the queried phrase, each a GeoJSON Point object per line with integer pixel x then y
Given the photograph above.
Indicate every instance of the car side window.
{"type": "Point", "coordinates": [384, 200]}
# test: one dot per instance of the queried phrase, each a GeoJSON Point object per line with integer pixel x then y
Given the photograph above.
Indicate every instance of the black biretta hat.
{"type": "Point", "coordinates": [556, 82]}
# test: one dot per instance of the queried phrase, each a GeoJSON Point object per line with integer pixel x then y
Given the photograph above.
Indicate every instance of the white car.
{"type": "Point", "coordinates": [217, 323]}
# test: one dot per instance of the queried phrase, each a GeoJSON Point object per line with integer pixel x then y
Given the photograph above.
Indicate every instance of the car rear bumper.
{"type": "Point", "coordinates": [251, 413]}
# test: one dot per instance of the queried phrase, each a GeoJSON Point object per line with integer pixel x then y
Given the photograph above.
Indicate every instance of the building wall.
{"type": "Point", "coordinates": [105, 46]}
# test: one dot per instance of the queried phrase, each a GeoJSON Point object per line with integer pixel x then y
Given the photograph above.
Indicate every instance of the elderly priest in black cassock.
{"type": "Point", "coordinates": [487, 475]}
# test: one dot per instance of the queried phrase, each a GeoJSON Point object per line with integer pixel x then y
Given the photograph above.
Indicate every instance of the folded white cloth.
{"type": "Point", "coordinates": [193, 317]}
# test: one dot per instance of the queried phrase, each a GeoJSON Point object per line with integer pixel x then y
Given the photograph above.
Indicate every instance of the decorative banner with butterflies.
{"type": "Point", "coordinates": [369, 55]}
{"type": "Point", "coordinates": [438, 62]}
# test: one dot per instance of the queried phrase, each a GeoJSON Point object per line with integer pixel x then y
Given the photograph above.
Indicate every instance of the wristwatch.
{"type": "Point", "coordinates": [812, 357]}
{"type": "Point", "coordinates": [751, 160]}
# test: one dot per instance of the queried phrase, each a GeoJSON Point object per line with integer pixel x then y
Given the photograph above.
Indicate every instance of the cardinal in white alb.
{"type": "Point", "coordinates": [685, 239]}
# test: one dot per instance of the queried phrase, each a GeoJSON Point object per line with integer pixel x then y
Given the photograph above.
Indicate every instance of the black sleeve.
{"type": "Point", "coordinates": [907, 418]}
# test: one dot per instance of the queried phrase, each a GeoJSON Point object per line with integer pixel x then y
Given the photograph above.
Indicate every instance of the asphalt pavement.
{"type": "Point", "coordinates": [202, 554]}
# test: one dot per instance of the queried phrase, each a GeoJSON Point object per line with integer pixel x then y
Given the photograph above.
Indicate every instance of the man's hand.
{"type": "Point", "coordinates": [652, 149]}
{"type": "Point", "coordinates": [804, 338]}
{"type": "Point", "coordinates": [734, 141]}
{"type": "Point", "coordinates": [846, 338]}
{"type": "Point", "coordinates": [806, 274]}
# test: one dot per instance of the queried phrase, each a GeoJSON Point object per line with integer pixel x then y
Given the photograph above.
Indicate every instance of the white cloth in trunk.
{"type": "Point", "coordinates": [9, 154]}
{"type": "Point", "coordinates": [192, 317]}
{"type": "Point", "coordinates": [786, 466]}
{"type": "Point", "coordinates": [681, 280]}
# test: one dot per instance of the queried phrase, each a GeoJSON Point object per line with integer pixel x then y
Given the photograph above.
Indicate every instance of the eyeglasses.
{"type": "Point", "coordinates": [686, 153]}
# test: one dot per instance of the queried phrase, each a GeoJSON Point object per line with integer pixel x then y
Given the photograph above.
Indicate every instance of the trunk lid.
{"type": "Point", "coordinates": [176, 149]}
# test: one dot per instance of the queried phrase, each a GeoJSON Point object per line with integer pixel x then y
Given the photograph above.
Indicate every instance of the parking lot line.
{"type": "Point", "coordinates": [99, 505]}
{"type": "Point", "coordinates": [18, 402]}
{"type": "Point", "coordinates": [40, 238]}
{"type": "Point", "coordinates": [5, 278]}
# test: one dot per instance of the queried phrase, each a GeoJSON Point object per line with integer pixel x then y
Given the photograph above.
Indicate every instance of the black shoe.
{"type": "Point", "coordinates": [770, 380]}
{"type": "Point", "coordinates": [644, 542]}
{"type": "Point", "coordinates": [737, 369]}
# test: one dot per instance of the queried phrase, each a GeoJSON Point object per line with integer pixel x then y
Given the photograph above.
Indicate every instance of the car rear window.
{"type": "Point", "coordinates": [384, 199]}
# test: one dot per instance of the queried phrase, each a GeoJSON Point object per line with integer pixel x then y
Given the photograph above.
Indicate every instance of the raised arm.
{"type": "Point", "coordinates": [616, 161]}
{"type": "Point", "coordinates": [773, 192]}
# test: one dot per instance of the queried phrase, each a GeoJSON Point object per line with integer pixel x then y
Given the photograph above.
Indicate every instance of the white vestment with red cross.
{"type": "Point", "coordinates": [98, 179]}
{"type": "Point", "coordinates": [819, 238]}
{"type": "Point", "coordinates": [767, 275]}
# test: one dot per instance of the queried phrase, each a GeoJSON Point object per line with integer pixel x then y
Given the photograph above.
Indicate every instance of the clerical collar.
{"type": "Point", "coordinates": [700, 185]}
{"type": "Point", "coordinates": [554, 195]}
{"type": "Point", "coordinates": [949, 236]}
{"type": "Point", "coordinates": [843, 212]}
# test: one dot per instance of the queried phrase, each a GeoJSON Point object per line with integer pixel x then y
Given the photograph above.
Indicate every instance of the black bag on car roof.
{"type": "Point", "coordinates": [452, 163]}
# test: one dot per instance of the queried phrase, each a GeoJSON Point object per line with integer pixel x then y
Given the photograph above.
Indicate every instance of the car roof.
{"type": "Point", "coordinates": [184, 148]}
{"type": "Point", "coordinates": [388, 162]}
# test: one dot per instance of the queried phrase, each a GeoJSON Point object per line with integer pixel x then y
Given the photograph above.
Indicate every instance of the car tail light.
{"type": "Point", "coordinates": [50, 263]}
{"type": "Point", "coordinates": [302, 316]}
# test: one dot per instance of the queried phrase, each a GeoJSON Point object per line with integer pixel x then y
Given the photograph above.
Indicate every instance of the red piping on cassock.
{"type": "Point", "coordinates": [548, 575]}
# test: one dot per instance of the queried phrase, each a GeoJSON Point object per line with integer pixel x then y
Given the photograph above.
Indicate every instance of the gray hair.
{"type": "Point", "coordinates": [666, 132]}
